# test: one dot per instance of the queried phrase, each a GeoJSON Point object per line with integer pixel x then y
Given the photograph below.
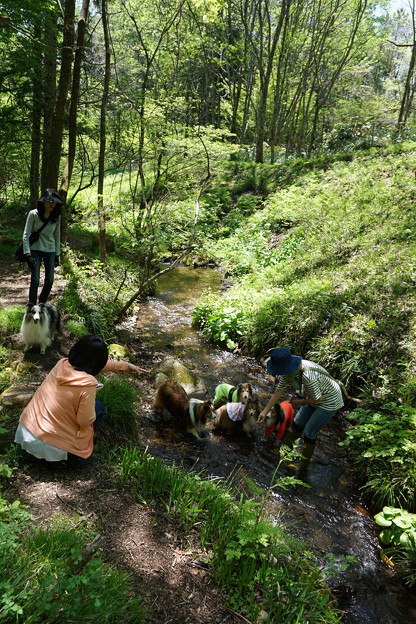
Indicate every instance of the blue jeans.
{"type": "Point", "coordinates": [49, 263]}
{"type": "Point", "coordinates": [312, 418]}
{"type": "Point", "coordinates": [81, 462]}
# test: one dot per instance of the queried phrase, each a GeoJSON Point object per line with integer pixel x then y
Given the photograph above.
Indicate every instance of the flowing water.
{"type": "Point", "coordinates": [329, 515]}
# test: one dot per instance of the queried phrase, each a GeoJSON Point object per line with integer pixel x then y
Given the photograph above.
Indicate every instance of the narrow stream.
{"type": "Point", "coordinates": [329, 515]}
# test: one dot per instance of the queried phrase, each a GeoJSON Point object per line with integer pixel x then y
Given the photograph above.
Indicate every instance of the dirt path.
{"type": "Point", "coordinates": [167, 567]}
{"type": "Point", "coordinates": [15, 280]}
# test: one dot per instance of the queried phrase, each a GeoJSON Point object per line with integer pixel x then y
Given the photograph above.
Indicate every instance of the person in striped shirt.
{"type": "Point", "coordinates": [321, 397]}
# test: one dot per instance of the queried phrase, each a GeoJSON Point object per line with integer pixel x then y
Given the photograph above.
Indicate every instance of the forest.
{"type": "Point", "coordinates": [271, 140]}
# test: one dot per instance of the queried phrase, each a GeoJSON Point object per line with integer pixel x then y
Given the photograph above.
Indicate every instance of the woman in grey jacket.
{"type": "Point", "coordinates": [47, 245]}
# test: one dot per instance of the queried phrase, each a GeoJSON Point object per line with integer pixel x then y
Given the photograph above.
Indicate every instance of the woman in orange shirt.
{"type": "Point", "coordinates": [58, 423]}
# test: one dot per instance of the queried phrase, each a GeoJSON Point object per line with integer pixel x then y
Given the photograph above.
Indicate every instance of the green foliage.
{"type": "Point", "coordinates": [250, 556]}
{"type": "Point", "coordinates": [11, 319]}
{"type": "Point", "coordinates": [10, 234]}
{"type": "Point", "coordinates": [44, 578]}
{"type": "Point", "coordinates": [119, 397]}
{"type": "Point", "coordinates": [405, 560]}
{"type": "Point", "coordinates": [89, 296]}
{"type": "Point", "coordinates": [383, 448]}
{"type": "Point", "coordinates": [400, 526]}
{"type": "Point", "coordinates": [221, 325]}
{"type": "Point", "coordinates": [12, 369]}
{"type": "Point", "coordinates": [339, 284]}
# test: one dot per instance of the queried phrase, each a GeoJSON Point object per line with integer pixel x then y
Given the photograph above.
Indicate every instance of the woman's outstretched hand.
{"type": "Point", "coordinates": [135, 370]}
{"type": "Point", "coordinates": [262, 417]}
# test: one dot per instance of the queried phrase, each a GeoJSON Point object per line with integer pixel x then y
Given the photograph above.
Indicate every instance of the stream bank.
{"type": "Point", "coordinates": [329, 515]}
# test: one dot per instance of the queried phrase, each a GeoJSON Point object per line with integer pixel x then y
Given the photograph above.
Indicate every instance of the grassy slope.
{"type": "Point", "coordinates": [328, 268]}
{"type": "Point", "coordinates": [338, 283]}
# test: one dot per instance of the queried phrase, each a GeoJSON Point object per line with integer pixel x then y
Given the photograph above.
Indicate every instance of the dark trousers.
{"type": "Point", "coordinates": [49, 264]}
{"type": "Point", "coordinates": [80, 462]}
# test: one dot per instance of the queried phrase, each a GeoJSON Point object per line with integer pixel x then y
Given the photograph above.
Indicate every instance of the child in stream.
{"type": "Point", "coordinates": [322, 398]}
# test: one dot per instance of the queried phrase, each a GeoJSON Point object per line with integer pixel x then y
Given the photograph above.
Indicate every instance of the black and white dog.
{"type": "Point", "coordinates": [39, 325]}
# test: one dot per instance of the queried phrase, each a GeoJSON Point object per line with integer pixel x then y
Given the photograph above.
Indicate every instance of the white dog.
{"type": "Point", "coordinates": [39, 325]}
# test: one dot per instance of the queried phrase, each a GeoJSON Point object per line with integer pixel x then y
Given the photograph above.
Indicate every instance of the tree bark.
{"type": "Point", "coordinates": [267, 51]}
{"type": "Point", "coordinates": [49, 92]}
{"type": "Point", "coordinates": [37, 109]}
{"type": "Point", "coordinates": [72, 129]}
{"type": "Point", "coordinates": [101, 158]}
{"type": "Point", "coordinates": [408, 93]}
{"type": "Point", "coordinates": [61, 96]}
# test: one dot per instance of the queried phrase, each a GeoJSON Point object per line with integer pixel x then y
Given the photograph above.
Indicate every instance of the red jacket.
{"type": "Point", "coordinates": [286, 424]}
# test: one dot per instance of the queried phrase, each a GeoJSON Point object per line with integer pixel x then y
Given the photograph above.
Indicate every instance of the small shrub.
{"type": "Point", "coordinates": [383, 448]}
{"type": "Point", "coordinates": [43, 578]}
{"type": "Point", "coordinates": [119, 397]}
{"type": "Point", "coordinates": [399, 526]}
{"type": "Point", "coordinates": [11, 319]}
{"type": "Point", "coordinates": [405, 560]}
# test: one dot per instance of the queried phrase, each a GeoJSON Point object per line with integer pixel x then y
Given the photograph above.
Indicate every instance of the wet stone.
{"type": "Point", "coordinates": [15, 397]}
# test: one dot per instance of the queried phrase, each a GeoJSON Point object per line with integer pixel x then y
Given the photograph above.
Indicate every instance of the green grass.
{"type": "Point", "coordinates": [336, 281]}
{"type": "Point", "coordinates": [11, 319]}
{"type": "Point", "coordinates": [44, 577]}
{"type": "Point", "coordinates": [119, 397]}
{"type": "Point", "coordinates": [12, 369]}
{"type": "Point", "coordinates": [258, 564]}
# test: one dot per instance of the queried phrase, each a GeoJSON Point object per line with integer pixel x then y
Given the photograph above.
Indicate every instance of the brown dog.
{"type": "Point", "coordinates": [226, 393]}
{"type": "Point", "coordinates": [245, 417]}
{"type": "Point", "coordinates": [279, 419]}
{"type": "Point", "coordinates": [191, 414]}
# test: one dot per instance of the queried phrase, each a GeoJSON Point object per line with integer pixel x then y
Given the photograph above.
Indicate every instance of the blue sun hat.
{"type": "Point", "coordinates": [282, 362]}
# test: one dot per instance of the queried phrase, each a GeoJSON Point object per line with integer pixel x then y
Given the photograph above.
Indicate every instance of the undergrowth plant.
{"type": "Point", "coordinates": [119, 396]}
{"type": "Point", "coordinates": [328, 269]}
{"type": "Point", "coordinates": [382, 445]}
{"type": "Point", "coordinates": [399, 526]}
{"type": "Point", "coordinates": [12, 367]}
{"type": "Point", "coordinates": [405, 560]}
{"type": "Point", "coordinates": [260, 566]}
{"type": "Point", "coordinates": [45, 578]}
{"type": "Point", "coordinates": [399, 535]}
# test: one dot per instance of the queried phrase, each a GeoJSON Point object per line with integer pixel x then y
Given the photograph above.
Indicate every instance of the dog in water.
{"type": "Point", "coordinates": [39, 325]}
{"type": "Point", "coordinates": [226, 393]}
{"type": "Point", "coordinates": [191, 414]}
{"type": "Point", "coordinates": [238, 417]}
{"type": "Point", "coordinates": [279, 419]}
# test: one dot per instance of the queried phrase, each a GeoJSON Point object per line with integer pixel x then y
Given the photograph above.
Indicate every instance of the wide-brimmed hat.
{"type": "Point", "coordinates": [282, 362]}
{"type": "Point", "coordinates": [51, 196]}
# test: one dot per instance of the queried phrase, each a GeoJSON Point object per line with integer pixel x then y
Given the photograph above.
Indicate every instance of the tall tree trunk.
{"type": "Point", "coordinates": [61, 96]}
{"type": "Point", "coordinates": [49, 92]}
{"type": "Point", "coordinates": [36, 125]}
{"type": "Point", "coordinates": [104, 98]}
{"type": "Point", "coordinates": [72, 130]}
{"type": "Point", "coordinates": [407, 98]}
{"type": "Point", "coordinates": [266, 60]}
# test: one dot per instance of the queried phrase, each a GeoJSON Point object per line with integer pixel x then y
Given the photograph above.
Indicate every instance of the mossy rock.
{"type": "Point", "coordinates": [15, 397]}
{"type": "Point", "coordinates": [176, 371]}
{"type": "Point", "coordinates": [120, 352]}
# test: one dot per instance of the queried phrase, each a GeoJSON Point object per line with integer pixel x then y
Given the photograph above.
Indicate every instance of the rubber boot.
{"type": "Point", "coordinates": [307, 452]}
{"type": "Point", "coordinates": [294, 434]}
